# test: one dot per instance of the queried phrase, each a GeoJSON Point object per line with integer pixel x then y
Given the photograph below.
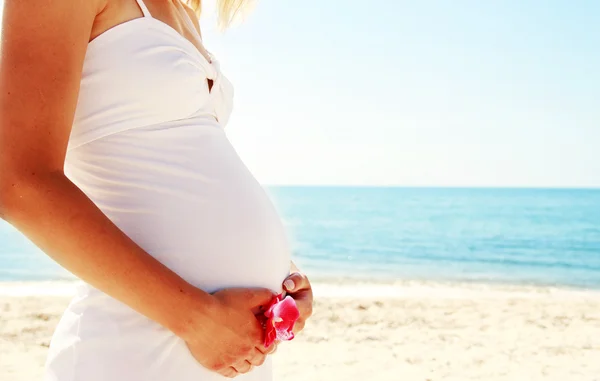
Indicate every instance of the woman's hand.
{"type": "Point", "coordinates": [229, 340]}
{"type": "Point", "coordinates": [298, 287]}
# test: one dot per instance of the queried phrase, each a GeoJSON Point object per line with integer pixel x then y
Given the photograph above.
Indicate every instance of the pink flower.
{"type": "Point", "coordinates": [279, 320]}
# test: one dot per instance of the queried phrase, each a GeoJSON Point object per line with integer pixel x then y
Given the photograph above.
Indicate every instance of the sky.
{"type": "Point", "coordinates": [415, 93]}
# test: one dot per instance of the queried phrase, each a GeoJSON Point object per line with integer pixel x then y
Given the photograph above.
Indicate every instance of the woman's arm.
{"type": "Point", "coordinates": [41, 58]}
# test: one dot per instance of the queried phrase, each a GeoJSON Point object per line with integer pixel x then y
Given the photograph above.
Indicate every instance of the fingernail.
{"type": "Point", "coordinates": [289, 284]}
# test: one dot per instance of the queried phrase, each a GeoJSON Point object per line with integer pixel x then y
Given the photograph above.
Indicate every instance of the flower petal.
{"type": "Point", "coordinates": [282, 314]}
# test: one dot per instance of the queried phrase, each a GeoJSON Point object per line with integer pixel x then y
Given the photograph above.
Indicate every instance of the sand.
{"type": "Point", "coordinates": [377, 332]}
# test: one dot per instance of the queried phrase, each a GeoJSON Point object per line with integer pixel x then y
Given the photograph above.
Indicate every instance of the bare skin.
{"type": "Point", "coordinates": [41, 57]}
{"type": "Point", "coordinates": [299, 288]}
{"type": "Point", "coordinates": [171, 12]}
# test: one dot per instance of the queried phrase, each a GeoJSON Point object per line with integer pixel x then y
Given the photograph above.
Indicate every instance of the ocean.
{"type": "Point", "coordinates": [515, 236]}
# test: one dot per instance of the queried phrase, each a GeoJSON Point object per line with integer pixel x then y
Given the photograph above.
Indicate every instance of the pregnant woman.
{"type": "Point", "coordinates": [114, 161]}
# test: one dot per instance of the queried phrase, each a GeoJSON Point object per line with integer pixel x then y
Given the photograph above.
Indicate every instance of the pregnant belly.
{"type": "Point", "coordinates": [189, 201]}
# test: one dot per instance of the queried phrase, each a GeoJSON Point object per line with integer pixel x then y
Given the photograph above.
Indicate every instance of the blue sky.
{"type": "Point", "coordinates": [455, 93]}
{"type": "Point", "coordinates": [441, 93]}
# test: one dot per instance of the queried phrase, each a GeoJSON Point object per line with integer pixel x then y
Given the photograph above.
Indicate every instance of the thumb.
{"type": "Point", "coordinates": [295, 281]}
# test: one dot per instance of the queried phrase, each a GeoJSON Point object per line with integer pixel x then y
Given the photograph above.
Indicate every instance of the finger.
{"type": "Point", "coordinates": [304, 302]}
{"type": "Point", "coordinates": [268, 350]}
{"type": "Point", "coordinates": [242, 367]}
{"type": "Point", "coordinates": [259, 351]}
{"type": "Point", "coordinates": [299, 326]}
{"type": "Point", "coordinates": [228, 372]}
{"type": "Point", "coordinates": [296, 281]}
{"type": "Point", "coordinates": [275, 346]}
{"type": "Point", "coordinates": [257, 359]}
{"type": "Point", "coordinates": [264, 350]}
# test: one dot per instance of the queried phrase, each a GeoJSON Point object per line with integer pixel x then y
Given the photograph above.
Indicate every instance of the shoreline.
{"type": "Point", "coordinates": [356, 289]}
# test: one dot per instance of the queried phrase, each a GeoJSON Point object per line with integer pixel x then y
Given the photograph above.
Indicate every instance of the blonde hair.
{"type": "Point", "coordinates": [228, 10]}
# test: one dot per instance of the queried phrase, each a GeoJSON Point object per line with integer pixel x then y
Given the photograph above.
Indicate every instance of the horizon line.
{"type": "Point", "coordinates": [508, 187]}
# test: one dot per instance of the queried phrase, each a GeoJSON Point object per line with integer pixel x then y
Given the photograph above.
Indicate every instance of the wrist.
{"type": "Point", "coordinates": [197, 309]}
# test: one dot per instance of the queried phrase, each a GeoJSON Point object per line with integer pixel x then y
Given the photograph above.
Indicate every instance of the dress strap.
{"type": "Point", "coordinates": [144, 8]}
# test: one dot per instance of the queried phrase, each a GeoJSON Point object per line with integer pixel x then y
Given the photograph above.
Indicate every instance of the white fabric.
{"type": "Point", "coordinates": [148, 147]}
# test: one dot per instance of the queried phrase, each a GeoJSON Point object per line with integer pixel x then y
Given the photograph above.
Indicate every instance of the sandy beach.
{"type": "Point", "coordinates": [381, 332]}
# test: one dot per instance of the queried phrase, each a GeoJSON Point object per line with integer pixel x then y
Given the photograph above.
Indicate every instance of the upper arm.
{"type": "Point", "coordinates": [42, 48]}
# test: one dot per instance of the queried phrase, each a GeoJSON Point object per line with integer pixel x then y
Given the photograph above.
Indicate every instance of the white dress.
{"type": "Point", "coordinates": [148, 148]}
